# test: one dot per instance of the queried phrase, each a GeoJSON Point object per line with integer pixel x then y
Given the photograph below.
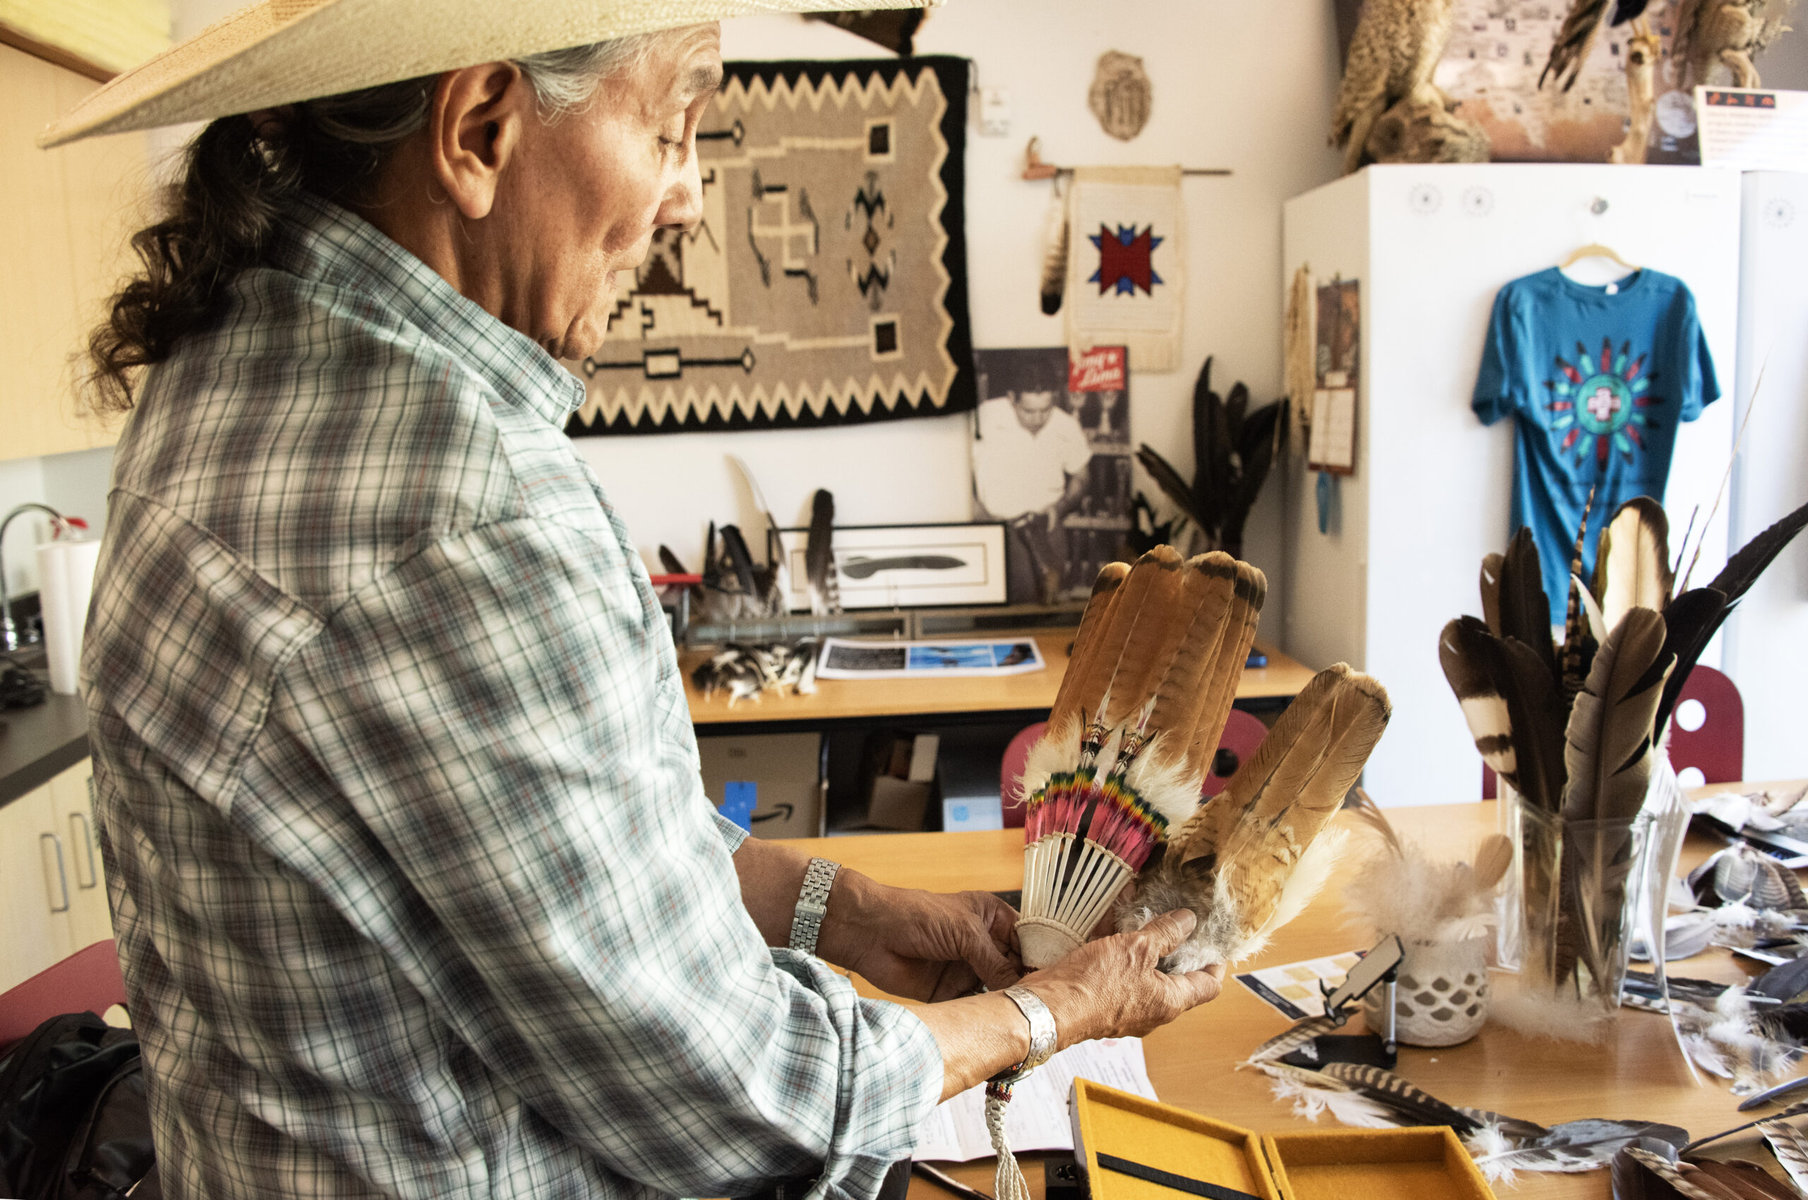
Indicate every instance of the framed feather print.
{"type": "Point", "coordinates": [902, 566]}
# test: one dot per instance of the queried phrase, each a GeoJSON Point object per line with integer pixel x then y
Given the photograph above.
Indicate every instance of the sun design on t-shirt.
{"type": "Point", "coordinates": [1598, 403]}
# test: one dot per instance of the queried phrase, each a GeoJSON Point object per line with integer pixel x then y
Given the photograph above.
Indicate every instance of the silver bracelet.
{"type": "Point", "coordinates": [812, 904]}
{"type": "Point", "coordinates": [1042, 1034]}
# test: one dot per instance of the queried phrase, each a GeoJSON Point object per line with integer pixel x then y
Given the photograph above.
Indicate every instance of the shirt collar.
{"type": "Point", "coordinates": [321, 240]}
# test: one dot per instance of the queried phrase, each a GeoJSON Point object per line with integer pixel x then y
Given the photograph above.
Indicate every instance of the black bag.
{"type": "Point", "coordinates": [74, 1124]}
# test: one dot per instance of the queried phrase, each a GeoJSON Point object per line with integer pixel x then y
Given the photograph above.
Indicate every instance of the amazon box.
{"type": "Point", "coordinates": [781, 772]}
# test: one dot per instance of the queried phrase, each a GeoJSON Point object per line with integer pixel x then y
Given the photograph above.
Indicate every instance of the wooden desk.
{"type": "Point", "coordinates": [1636, 1072]}
{"type": "Point", "coordinates": [841, 701]}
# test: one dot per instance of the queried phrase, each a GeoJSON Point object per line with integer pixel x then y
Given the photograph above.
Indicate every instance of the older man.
{"type": "Point", "coordinates": [416, 888]}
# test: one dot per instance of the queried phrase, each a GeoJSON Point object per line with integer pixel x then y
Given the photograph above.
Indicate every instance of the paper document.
{"type": "Point", "coordinates": [1297, 990]}
{"type": "Point", "coordinates": [1036, 1118]}
{"type": "Point", "coordinates": [845, 659]}
{"type": "Point", "coordinates": [1753, 129]}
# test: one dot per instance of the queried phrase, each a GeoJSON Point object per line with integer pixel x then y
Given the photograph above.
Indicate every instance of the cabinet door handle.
{"type": "Point", "coordinates": [62, 876]}
{"type": "Point", "coordinates": [83, 837]}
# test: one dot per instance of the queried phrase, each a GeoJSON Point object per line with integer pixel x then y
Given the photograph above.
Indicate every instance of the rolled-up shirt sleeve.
{"type": "Point", "coordinates": [502, 716]}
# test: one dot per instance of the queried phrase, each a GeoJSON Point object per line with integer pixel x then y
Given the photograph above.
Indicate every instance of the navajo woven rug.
{"type": "Point", "coordinates": [826, 282]}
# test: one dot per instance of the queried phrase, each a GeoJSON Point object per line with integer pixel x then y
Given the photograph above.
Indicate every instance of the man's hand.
{"type": "Point", "coordinates": [920, 945]}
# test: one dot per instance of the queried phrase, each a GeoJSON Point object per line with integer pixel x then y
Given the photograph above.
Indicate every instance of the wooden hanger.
{"type": "Point", "coordinates": [1592, 250]}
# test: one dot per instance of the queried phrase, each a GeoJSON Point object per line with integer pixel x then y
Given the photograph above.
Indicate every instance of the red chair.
{"type": "Point", "coordinates": [1710, 739]}
{"type": "Point", "coordinates": [86, 981]}
{"type": "Point", "coordinates": [1243, 732]}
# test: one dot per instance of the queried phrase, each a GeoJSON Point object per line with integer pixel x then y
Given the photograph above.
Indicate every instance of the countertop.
{"type": "Point", "coordinates": [41, 742]}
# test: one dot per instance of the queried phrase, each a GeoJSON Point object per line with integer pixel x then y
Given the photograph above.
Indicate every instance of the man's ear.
{"type": "Point", "coordinates": [475, 128]}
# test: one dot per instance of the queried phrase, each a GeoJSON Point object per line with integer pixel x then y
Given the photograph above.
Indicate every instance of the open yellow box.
{"type": "Point", "coordinates": [1137, 1149]}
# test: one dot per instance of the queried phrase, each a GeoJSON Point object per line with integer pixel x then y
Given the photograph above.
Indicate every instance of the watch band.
{"type": "Point", "coordinates": [812, 904]}
{"type": "Point", "coordinates": [1042, 1033]}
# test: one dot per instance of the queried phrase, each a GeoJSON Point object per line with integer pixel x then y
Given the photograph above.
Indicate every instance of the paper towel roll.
{"type": "Point", "coordinates": [65, 581]}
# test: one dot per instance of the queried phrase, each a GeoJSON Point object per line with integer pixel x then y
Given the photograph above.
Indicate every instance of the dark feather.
{"type": "Point", "coordinates": [1491, 564]}
{"type": "Point", "coordinates": [1169, 481]}
{"type": "Point", "coordinates": [1742, 1180]}
{"type": "Point", "coordinates": [1627, 10]}
{"type": "Point", "coordinates": [1053, 286]}
{"type": "Point", "coordinates": [1691, 630]}
{"type": "Point", "coordinates": [1610, 732]}
{"type": "Point", "coordinates": [1785, 982]}
{"type": "Point", "coordinates": [1418, 1106]}
{"type": "Point", "coordinates": [819, 555]}
{"type": "Point", "coordinates": [1689, 624]}
{"type": "Point", "coordinates": [1294, 1036]}
{"type": "Point", "coordinates": [1642, 1173]}
{"type": "Point", "coordinates": [1791, 1150]}
{"type": "Point", "coordinates": [734, 548]}
{"type": "Point", "coordinates": [1569, 49]}
{"type": "Point", "coordinates": [1794, 1110]}
{"type": "Point", "coordinates": [672, 564]}
{"type": "Point", "coordinates": [712, 574]}
{"type": "Point", "coordinates": [1473, 660]}
{"type": "Point", "coordinates": [1525, 610]}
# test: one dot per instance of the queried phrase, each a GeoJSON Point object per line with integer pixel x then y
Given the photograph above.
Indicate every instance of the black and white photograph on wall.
{"type": "Point", "coordinates": [1051, 459]}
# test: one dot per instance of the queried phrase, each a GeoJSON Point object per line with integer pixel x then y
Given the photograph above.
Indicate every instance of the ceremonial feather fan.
{"type": "Point", "coordinates": [1132, 732]}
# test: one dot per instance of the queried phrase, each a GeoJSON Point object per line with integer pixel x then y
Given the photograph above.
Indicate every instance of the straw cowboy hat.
{"type": "Point", "coordinates": [282, 51]}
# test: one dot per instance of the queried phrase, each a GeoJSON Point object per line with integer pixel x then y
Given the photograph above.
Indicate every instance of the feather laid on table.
{"type": "Point", "coordinates": [1571, 1147]}
{"type": "Point", "coordinates": [1252, 858]}
{"type": "Point", "coordinates": [1632, 561]}
{"type": "Point", "coordinates": [1295, 1036]}
{"type": "Point", "coordinates": [1791, 1149]}
{"type": "Point", "coordinates": [819, 556]}
{"type": "Point", "coordinates": [1794, 1110]}
{"type": "Point", "coordinates": [1640, 1173]}
{"type": "Point", "coordinates": [1135, 722]}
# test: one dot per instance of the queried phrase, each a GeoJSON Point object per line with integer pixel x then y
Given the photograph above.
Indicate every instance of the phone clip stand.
{"type": "Point", "coordinates": [1380, 967]}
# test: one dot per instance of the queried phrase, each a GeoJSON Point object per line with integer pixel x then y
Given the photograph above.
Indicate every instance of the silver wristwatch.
{"type": "Point", "coordinates": [812, 904]}
{"type": "Point", "coordinates": [1042, 1033]}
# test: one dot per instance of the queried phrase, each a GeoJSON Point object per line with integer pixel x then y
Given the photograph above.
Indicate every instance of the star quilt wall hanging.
{"type": "Point", "coordinates": [826, 282]}
{"type": "Point", "coordinates": [1126, 263]}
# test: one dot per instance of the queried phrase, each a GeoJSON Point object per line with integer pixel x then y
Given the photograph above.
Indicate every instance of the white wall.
{"type": "Point", "coordinates": [1767, 637]}
{"type": "Point", "coordinates": [1238, 86]}
{"type": "Point", "coordinates": [1432, 492]}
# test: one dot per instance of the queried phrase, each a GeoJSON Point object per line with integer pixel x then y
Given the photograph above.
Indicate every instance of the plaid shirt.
{"type": "Point", "coordinates": [416, 887]}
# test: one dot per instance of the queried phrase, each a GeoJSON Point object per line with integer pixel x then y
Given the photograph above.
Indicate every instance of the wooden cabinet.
{"type": "Point", "coordinates": [65, 217]}
{"type": "Point", "coordinates": [53, 891]}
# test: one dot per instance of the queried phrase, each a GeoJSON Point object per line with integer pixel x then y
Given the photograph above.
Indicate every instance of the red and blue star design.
{"type": "Point", "coordinates": [1126, 260]}
{"type": "Point", "coordinates": [1598, 403]}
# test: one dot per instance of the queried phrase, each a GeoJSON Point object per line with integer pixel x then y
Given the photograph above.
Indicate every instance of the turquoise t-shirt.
{"type": "Point", "coordinates": [1599, 379]}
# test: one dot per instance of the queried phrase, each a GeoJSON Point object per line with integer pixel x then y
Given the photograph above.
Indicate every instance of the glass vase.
{"type": "Point", "coordinates": [1578, 889]}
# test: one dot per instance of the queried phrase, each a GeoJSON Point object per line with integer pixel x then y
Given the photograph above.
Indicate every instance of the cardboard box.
{"type": "Point", "coordinates": [1126, 1144]}
{"type": "Point", "coordinates": [784, 771]}
{"type": "Point", "coordinates": [898, 782]}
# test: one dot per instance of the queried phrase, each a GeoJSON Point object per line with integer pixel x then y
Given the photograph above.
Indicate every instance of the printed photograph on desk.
{"type": "Point", "coordinates": [1051, 459]}
{"type": "Point", "coordinates": [843, 659]}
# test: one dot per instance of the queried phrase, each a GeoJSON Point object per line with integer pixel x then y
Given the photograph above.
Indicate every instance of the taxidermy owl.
{"type": "Point", "coordinates": [1729, 33]}
{"type": "Point", "coordinates": [1393, 54]}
